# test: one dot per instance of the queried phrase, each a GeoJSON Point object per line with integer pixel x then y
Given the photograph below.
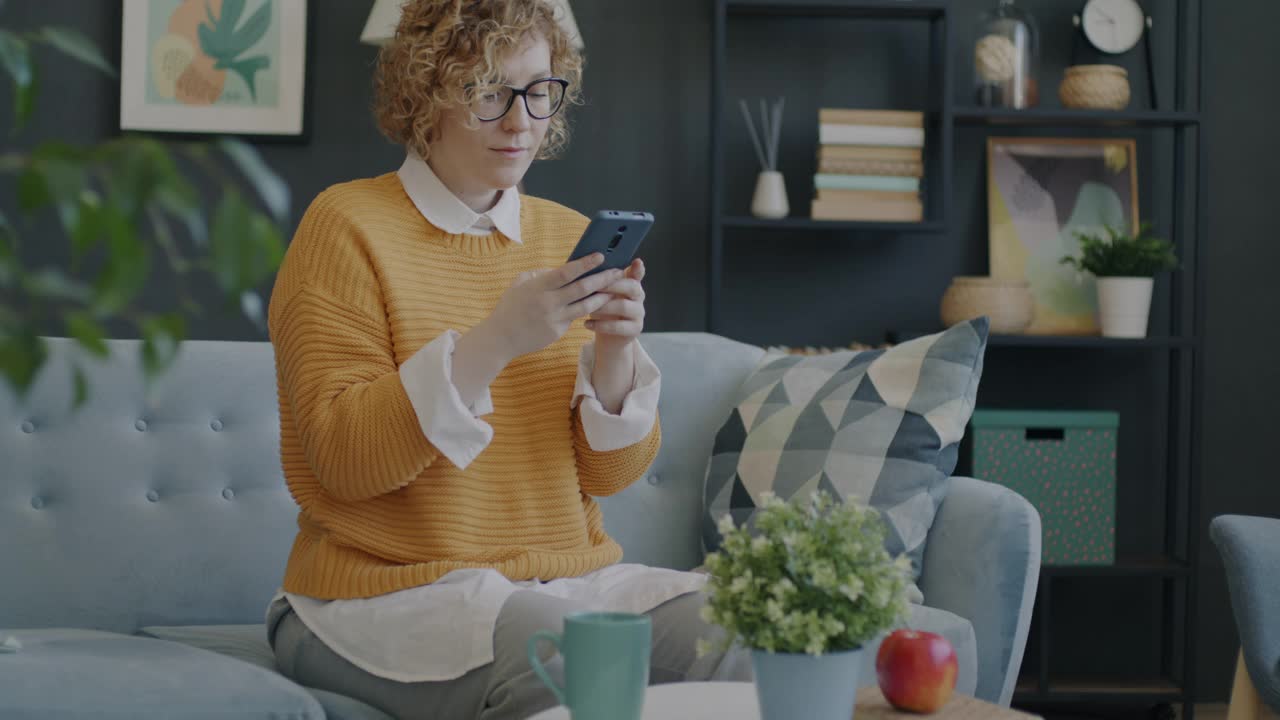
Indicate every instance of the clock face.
{"type": "Point", "coordinates": [1113, 26]}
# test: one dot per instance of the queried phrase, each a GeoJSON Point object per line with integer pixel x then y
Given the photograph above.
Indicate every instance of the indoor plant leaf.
{"type": "Point", "coordinates": [50, 283]}
{"type": "Point", "coordinates": [9, 266]}
{"type": "Point", "coordinates": [61, 168]}
{"type": "Point", "coordinates": [161, 337]}
{"type": "Point", "coordinates": [74, 43]}
{"type": "Point", "coordinates": [80, 387]}
{"type": "Point", "coordinates": [1115, 253]}
{"type": "Point", "coordinates": [245, 246]}
{"type": "Point", "coordinates": [230, 241]}
{"type": "Point", "coordinates": [128, 263]}
{"type": "Point", "coordinates": [270, 187]}
{"type": "Point", "coordinates": [89, 227]}
{"type": "Point", "coordinates": [186, 208]}
{"type": "Point", "coordinates": [8, 236]}
{"type": "Point", "coordinates": [86, 331]}
{"type": "Point", "coordinates": [15, 57]}
{"type": "Point", "coordinates": [33, 193]}
{"type": "Point", "coordinates": [22, 353]}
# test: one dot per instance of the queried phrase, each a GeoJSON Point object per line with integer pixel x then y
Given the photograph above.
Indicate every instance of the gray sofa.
{"type": "Point", "coordinates": [142, 536]}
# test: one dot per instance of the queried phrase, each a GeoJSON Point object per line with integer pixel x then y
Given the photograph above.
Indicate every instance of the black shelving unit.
{"type": "Point", "coordinates": [1175, 568]}
{"type": "Point", "coordinates": [1074, 118]}
{"type": "Point", "coordinates": [801, 223]}
{"type": "Point", "coordinates": [1090, 342]}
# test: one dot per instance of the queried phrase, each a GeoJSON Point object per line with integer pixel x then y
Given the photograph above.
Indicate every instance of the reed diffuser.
{"type": "Point", "coordinates": [770, 198]}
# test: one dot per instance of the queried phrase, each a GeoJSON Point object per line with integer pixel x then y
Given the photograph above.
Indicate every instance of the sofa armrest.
{"type": "Point", "coordinates": [982, 562]}
{"type": "Point", "coordinates": [1250, 549]}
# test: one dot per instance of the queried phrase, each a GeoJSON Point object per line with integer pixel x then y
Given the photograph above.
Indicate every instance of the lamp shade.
{"type": "Point", "coordinates": [381, 25]}
{"type": "Point", "coordinates": [385, 15]}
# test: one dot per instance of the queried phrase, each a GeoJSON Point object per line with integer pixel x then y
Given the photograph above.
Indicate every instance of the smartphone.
{"type": "Point", "coordinates": [617, 235]}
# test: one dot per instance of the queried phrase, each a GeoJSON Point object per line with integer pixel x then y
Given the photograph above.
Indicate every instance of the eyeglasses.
{"type": "Point", "coordinates": [542, 99]}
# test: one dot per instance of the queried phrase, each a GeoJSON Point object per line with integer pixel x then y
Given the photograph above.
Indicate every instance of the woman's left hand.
{"type": "Point", "coordinates": [621, 320]}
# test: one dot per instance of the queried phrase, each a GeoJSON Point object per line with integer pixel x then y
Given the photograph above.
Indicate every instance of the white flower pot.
{"type": "Point", "coordinates": [770, 199]}
{"type": "Point", "coordinates": [794, 685]}
{"type": "Point", "coordinates": [1124, 305]}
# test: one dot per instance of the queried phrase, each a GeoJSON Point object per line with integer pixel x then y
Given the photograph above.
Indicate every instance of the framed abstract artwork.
{"type": "Point", "coordinates": [215, 67]}
{"type": "Point", "coordinates": [1040, 193]}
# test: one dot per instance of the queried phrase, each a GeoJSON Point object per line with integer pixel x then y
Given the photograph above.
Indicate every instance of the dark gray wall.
{"type": "Point", "coordinates": [641, 142]}
{"type": "Point", "coordinates": [1242, 380]}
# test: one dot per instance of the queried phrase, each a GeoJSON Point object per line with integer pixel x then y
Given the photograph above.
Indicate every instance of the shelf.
{"type": "Point", "coordinates": [1087, 342]}
{"type": "Point", "coordinates": [1064, 116]}
{"type": "Point", "coordinates": [875, 9]}
{"type": "Point", "coordinates": [1067, 342]}
{"type": "Point", "coordinates": [803, 223]}
{"type": "Point", "coordinates": [1119, 690]}
{"type": "Point", "coordinates": [1123, 567]}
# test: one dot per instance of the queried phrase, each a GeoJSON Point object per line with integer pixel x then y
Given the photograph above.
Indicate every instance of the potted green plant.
{"type": "Point", "coordinates": [1125, 266]}
{"type": "Point", "coordinates": [806, 589]}
{"type": "Point", "coordinates": [123, 205]}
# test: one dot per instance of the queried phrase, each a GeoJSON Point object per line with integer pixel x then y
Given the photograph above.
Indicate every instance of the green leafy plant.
{"type": "Point", "coordinates": [119, 205]}
{"type": "Point", "coordinates": [221, 40]}
{"type": "Point", "coordinates": [1118, 254]}
{"type": "Point", "coordinates": [812, 577]}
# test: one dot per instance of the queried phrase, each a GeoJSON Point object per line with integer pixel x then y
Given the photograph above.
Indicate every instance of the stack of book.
{"type": "Point", "coordinates": [870, 165]}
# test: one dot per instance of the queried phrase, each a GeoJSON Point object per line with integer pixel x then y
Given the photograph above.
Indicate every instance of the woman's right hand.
{"type": "Point", "coordinates": [540, 305]}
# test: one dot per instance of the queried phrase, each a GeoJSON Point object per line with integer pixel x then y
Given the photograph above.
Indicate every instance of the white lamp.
{"type": "Point", "coordinates": [381, 25]}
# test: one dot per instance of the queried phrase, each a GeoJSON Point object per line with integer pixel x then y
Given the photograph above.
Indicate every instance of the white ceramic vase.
{"type": "Point", "coordinates": [1124, 305]}
{"type": "Point", "coordinates": [770, 198]}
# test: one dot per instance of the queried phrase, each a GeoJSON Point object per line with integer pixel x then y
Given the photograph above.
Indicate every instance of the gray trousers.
{"type": "Point", "coordinates": [506, 688]}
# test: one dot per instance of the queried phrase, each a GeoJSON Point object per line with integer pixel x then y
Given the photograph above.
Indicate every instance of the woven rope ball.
{"type": "Point", "coordinates": [1095, 87]}
{"type": "Point", "coordinates": [995, 59]}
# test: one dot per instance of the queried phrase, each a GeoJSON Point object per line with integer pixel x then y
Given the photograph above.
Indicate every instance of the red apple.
{"type": "Point", "coordinates": [916, 670]}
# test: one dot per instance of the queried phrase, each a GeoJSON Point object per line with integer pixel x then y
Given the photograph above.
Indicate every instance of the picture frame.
{"type": "Point", "coordinates": [217, 67]}
{"type": "Point", "coordinates": [1040, 193]}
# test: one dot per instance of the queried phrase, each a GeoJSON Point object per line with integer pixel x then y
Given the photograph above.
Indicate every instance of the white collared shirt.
{"type": "Point", "coordinates": [444, 210]}
{"type": "Point", "coordinates": [440, 631]}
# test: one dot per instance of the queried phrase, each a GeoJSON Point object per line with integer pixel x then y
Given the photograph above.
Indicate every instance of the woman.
{"type": "Point", "coordinates": [452, 396]}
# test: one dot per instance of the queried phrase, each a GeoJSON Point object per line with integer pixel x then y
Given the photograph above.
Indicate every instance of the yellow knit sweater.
{"type": "Point", "coordinates": [366, 283]}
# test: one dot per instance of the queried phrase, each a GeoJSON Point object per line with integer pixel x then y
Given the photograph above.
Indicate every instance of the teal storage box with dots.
{"type": "Point", "coordinates": [1064, 463]}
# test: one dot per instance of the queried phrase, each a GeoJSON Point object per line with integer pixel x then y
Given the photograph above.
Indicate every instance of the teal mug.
{"type": "Point", "coordinates": [606, 664]}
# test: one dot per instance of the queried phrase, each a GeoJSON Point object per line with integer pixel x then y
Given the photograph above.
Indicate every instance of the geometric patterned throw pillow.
{"type": "Point", "coordinates": [882, 425]}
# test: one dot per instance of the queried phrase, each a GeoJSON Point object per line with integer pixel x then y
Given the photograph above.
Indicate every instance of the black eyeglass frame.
{"type": "Point", "coordinates": [524, 95]}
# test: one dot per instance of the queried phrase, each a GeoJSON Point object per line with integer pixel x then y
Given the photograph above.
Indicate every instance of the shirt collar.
{"type": "Point", "coordinates": [443, 209]}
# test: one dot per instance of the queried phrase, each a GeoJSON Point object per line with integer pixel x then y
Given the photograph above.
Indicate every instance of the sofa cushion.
{"type": "Point", "coordinates": [243, 642]}
{"type": "Point", "coordinates": [883, 426]}
{"type": "Point", "coordinates": [658, 519]}
{"type": "Point", "coordinates": [71, 673]}
{"type": "Point", "coordinates": [249, 643]}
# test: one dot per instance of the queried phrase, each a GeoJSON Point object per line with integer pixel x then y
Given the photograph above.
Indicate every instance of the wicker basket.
{"type": "Point", "coordinates": [1008, 303]}
{"type": "Point", "coordinates": [1095, 87]}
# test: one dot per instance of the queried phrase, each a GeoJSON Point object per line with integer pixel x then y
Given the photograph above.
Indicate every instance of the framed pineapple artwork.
{"type": "Point", "coordinates": [215, 67]}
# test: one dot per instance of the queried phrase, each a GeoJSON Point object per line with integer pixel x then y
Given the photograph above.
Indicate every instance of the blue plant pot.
{"type": "Point", "coordinates": [791, 685]}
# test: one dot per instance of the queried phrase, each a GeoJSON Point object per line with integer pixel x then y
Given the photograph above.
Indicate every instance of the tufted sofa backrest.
{"type": "Point", "coordinates": [166, 505]}
{"type": "Point", "coordinates": [146, 506]}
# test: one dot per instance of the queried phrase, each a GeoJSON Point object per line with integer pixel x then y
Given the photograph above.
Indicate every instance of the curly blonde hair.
{"type": "Point", "coordinates": [443, 46]}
